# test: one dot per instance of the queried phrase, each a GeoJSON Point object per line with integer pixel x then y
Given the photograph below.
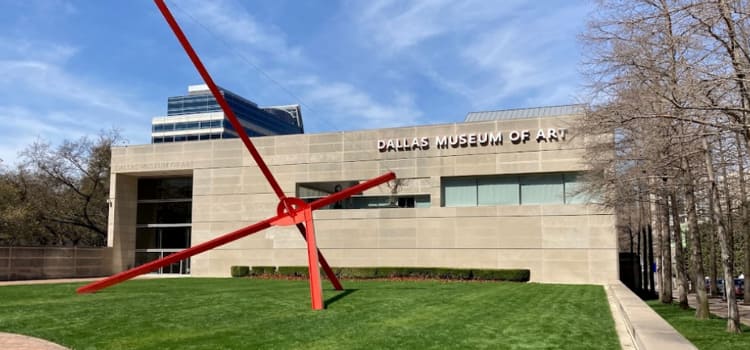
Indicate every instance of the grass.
{"type": "Point", "coordinates": [200, 313]}
{"type": "Point", "coordinates": [707, 334]}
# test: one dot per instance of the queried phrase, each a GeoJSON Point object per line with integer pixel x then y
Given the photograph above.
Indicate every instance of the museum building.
{"type": "Point", "coordinates": [499, 190]}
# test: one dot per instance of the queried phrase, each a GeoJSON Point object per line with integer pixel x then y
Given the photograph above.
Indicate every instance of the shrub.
{"type": "Point", "coordinates": [513, 275]}
{"type": "Point", "coordinates": [294, 271]}
{"type": "Point", "coordinates": [388, 272]}
{"type": "Point", "coordinates": [240, 271]}
{"type": "Point", "coordinates": [355, 272]}
{"type": "Point", "coordinates": [263, 270]}
{"type": "Point", "coordinates": [453, 274]}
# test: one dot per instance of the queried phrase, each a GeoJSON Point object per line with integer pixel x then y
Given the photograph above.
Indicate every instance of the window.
{"type": "Point", "coordinates": [573, 190]}
{"type": "Point", "coordinates": [163, 221]}
{"type": "Point", "coordinates": [165, 188]}
{"type": "Point", "coordinates": [498, 190]}
{"type": "Point", "coordinates": [163, 127]}
{"type": "Point", "coordinates": [542, 189]}
{"type": "Point", "coordinates": [210, 124]}
{"type": "Point", "coordinates": [555, 188]}
{"type": "Point", "coordinates": [164, 213]}
{"type": "Point", "coordinates": [310, 192]}
{"type": "Point", "coordinates": [460, 192]}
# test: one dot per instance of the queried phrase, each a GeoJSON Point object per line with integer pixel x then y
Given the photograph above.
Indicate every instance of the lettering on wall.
{"type": "Point", "coordinates": [173, 165]}
{"type": "Point", "coordinates": [472, 140]}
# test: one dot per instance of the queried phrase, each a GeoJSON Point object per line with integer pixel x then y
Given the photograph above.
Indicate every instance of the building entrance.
{"type": "Point", "coordinates": [164, 221]}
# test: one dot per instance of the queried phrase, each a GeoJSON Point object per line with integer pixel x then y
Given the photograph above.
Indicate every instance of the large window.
{"type": "Point", "coordinates": [163, 222]}
{"type": "Point", "coordinates": [460, 192]}
{"type": "Point", "coordinates": [470, 191]}
{"type": "Point", "coordinates": [542, 189]}
{"type": "Point", "coordinates": [312, 191]}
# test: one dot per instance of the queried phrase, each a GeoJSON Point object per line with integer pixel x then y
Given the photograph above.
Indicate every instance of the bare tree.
{"type": "Point", "coordinates": [733, 316]}
{"type": "Point", "coordinates": [663, 74]}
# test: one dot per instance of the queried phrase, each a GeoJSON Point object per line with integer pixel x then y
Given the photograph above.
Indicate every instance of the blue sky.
{"type": "Point", "coordinates": [72, 68]}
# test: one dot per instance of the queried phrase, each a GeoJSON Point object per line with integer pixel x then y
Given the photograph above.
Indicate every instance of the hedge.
{"type": "Point", "coordinates": [514, 275]}
{"type": "Point", "coordinates": [293, 271]}
{"type": "Point", "coordinates": [240, 271]}
{"type": "Point", "coordinates": [263, 270]}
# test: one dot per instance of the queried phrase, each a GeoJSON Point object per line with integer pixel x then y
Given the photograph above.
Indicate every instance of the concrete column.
{"type": "Point", "coordinates": [122, 220]}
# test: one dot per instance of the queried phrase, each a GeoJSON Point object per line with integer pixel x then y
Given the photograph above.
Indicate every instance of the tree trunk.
{"type": "Point", "coordinates": [745, 219]}
{"type": "Point", "coordinates": [701, 310]}
{"type": "Point", "coordinates": [650, 250]}
{"type": "Point", "coordinates": [682, 281]}
{"type": "Point", "coordinates": [713, 257]}
{"type": "Point", "coordinates": [727, 201]}
{"type": "Point", "coordinates": [656, 227]}
{"type": "Point", "coordinates": [666, 251]}
{"type": "Point", "coordinates": [733, 316]}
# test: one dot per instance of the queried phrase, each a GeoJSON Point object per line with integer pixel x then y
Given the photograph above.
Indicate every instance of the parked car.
{"type": "Point", "coordinates": [739, 288]}
{"type": "Point", "coordinates": [719, 285]}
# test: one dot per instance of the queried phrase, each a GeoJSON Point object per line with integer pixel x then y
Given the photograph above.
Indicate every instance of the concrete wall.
{"type": "Point", "coordinates": [559, 243]}
{"type": "Point", "coordinates": [25, 263]}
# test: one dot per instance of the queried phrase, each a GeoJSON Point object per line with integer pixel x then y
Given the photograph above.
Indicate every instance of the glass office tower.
{"type": "Point", "coordinates": [197, 116]}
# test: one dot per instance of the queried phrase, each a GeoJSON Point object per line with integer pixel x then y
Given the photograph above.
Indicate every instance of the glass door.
{"type": "Point", "coordinates": [163, 221]}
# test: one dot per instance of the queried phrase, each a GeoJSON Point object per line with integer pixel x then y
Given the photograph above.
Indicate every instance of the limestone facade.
{"type": "Point", "coordinates": [560, 243]}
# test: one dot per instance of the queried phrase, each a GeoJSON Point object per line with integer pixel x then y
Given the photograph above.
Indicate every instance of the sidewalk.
{"type": "Point", "coordinates": [10, 341]}
{"type": "Point", "coordinates": [719, 307]}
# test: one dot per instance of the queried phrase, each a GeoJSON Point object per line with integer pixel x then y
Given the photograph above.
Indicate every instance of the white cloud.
{"type": "Point", "coordinates": [27, 126]}
{"type": "Point", "coordinates": [231, 22]}
{"type": "Point", "coordinates": [45, 100]}
{"type": "Point", "coordinates": [332, 104]}
{"type": "Point", "coordinates": [52, 80]}
{"type": "Point", "coordinates": [484, 51]}
{"type": "Point", "coordinates": [352, 108]}
{"type": "Point", "coordinates": [398, 25]}
{"type": "Point", "coordinates": [37, 50]}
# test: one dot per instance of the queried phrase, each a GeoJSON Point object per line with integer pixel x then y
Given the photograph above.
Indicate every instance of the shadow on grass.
{"type": "Point", "coordinates": [339, 296]}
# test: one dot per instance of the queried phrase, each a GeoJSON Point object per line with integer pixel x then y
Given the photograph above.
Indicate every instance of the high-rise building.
{"type": "Point", "coordinates": [197, 116]}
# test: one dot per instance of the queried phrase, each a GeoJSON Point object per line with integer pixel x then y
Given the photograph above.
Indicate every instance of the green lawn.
{"type": "Point", "coordinates": [708, 334]}
{"type": "Point", "coordinates": [199, 313]}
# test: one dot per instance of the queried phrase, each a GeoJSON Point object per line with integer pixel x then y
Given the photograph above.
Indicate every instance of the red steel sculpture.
{"type": "Point", "coordinates": [290, 210]}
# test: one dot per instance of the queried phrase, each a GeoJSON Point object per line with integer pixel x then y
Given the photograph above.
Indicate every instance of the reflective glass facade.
{"type": "Point", "coordinates": [255, 120]}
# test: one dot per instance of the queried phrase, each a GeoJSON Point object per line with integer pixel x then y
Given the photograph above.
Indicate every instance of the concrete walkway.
{"type": "Point", "coordinates": [10, 341]}
{"type": "Point", "coordinates": [718, 307]}
{"type": "Point", "coordinates": [645, 328]}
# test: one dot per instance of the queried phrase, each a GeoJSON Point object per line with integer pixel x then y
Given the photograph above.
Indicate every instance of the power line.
{"type": "Point", "coordinates": [252, 64]}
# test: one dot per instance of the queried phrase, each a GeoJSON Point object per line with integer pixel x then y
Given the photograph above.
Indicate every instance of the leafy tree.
{"type": "Point", "coordinates": [58, 195]}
